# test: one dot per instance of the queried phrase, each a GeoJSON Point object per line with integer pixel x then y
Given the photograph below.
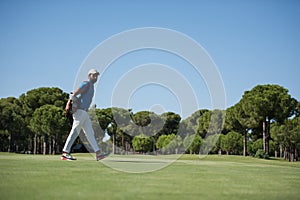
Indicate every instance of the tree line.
{"type": "Point", "coordinates": [265, 122]}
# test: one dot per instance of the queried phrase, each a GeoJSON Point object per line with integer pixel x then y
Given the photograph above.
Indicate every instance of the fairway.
{"type": "Point", "coordinates": [214, 177]}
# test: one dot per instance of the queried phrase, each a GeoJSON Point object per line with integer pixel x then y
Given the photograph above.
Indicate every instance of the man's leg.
{"type": "Point", "coordinates": [70, 140]}
{"type": "Point", "coordinates": [76, 127]}
{"type": "Point", "coordinates": [89, 132]}
{"type": "Point", "coordinates": [90, 135]}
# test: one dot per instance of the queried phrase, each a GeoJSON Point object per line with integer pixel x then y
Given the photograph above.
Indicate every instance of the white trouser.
{"type": "Point", "coordinates": [81, 120]}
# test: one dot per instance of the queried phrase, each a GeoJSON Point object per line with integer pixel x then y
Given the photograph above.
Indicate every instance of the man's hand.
{"type": "Point", "coordinates": [68, 106]}
{"type": "Point", "coordinates": [73, 98]}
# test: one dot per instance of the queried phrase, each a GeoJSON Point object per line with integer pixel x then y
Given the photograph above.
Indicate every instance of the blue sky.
{"type": "Point", "coordinates": [44, 43]}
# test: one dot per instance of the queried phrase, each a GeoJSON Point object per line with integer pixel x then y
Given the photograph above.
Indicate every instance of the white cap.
{"type": "Point", "coordinates": [93, 71]}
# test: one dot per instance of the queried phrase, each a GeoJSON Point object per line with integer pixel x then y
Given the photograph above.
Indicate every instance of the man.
{"type": "Point", "coordinates": [81, 121]}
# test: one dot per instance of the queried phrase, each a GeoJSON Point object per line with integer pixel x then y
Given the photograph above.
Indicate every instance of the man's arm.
{"type": "Point", "coordinates": [82, 89]}
{"type": "Point", "coordinates": [68, 106]}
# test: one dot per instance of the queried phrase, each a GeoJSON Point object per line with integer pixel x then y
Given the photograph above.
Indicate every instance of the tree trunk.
{"type": "Point", "coordinates": [114, 143]}
{"type": "Point", "coordinates": [44, 144]}
{"type": "Point", "coordinates": [280, 150]}
{"type": "Point", "coordinates": [57, 142]}
{"type": "Point", "coordinates": [53, 145]}
{"type": "Point", "coordinates": [245, 143]}
{"type": "Point", "coordinates": [29, 144]}
{"type": "Point", "coordinates": [154, 144]}
{"type": "Point", "coordinates": [44, 147]}
{"type": "Point", "coordinates": [50, 147]}
{"type": "Point", "coordinates": [285, 154]}
{"type": "Point", "coordinates": [292, 153]}
{"type": "Point", "coordinates": [123, 143]}
{"type": "Point", "coordinates": [9, 143]}
{"type": "Point", "coordinates": [265, 137]}
{"type": "Point", "coordinates": [34, 144]}
{"type": "Point", "coordinates": [41, 145]}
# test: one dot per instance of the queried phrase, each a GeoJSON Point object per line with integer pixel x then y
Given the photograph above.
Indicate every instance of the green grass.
{"type": "Point", "coordinates": [214, 177]}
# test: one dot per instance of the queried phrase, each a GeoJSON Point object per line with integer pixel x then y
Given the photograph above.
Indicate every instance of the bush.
{"type": "Point", "coordinates": [232, 143]}
{"type": "Point", "coordinates": [192, 143]}
{"type": "Point", "coordinates": [261, 154]}
{"type": "Point", "coordinates": [169, 143]}
{"type": "Point", "coordinates": [142, 143]}
{"type": "Point", "coordinates": [256, 145]}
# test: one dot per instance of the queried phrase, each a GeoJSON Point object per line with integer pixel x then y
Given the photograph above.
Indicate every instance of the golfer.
{"type": "Point", "coordinates": [81, 120]}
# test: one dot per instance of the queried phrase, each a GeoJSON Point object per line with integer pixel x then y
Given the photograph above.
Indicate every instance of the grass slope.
{"type": "Point", "coordinates": [214, 177]}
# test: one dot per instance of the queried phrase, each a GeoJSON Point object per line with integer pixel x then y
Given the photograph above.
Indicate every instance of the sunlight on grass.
{"type": "Point", "coordinates": [214, 177]}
